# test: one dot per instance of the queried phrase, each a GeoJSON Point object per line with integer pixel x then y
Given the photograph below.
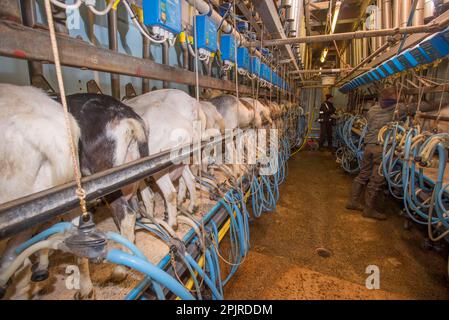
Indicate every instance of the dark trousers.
{"type": "Point", "coordinates": [369, 169]}
{"type": "Point", "coordinates": [326, 133]}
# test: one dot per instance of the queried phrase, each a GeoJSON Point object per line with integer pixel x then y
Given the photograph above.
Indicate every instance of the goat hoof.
{"type": "Point", "coordinates": [119, 274]}
{"type": "Point", "coordinates": [39, 275]}
{"type": "Point", "coordinates": [89, 296]}
{"type": "Point", "coordinates": [175, 227]}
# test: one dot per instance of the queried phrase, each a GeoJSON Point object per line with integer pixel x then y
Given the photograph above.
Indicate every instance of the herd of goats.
{"type": "Point", "coordinates": [106, 133]}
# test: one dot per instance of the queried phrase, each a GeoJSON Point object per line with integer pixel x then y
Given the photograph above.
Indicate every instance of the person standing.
{"type": "Point", "coordinates": [326, 121]}
{"type": "Point", "coordinates": [378, 116]}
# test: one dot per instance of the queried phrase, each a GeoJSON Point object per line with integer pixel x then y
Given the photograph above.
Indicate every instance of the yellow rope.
{"type": "Point", "coordinates": [80, 192]}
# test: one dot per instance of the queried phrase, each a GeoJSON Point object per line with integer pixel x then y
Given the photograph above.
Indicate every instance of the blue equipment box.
{"type": "Point", "coordinates": [227, 47]}
{"type": "Point", "coordinates": [436, 46]}
{"type": "Point", "coordinates": [380, 72]}
{"type": "Point", "coordinates": [263, 71]}
{"type": "Point", "coordinates": [420, 55]}
{"type": "Point", "coordinates": [366, 79]}
{"type": "Point", "coordinates": [395, 65]}
{"type": "Point", "coordinates": [163, 13]}
{"type": "Point", "coordinates": [389, 70]}
{"type": "Point", "coordinates": [399, 66]}
{"type": "Point", "coordinates": [407, 60]}
{"type": "Point", "coordinates": [206, 31]}
{"type": "Point", "coordinates": [243, 58]}
{"type": "Point", "coordinates": [255, 66]}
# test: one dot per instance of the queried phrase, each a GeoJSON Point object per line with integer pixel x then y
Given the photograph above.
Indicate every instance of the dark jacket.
{"type": "Point", "coordinates": [377, 118]}
{"type": "Point", "coordinates": [326, 111]}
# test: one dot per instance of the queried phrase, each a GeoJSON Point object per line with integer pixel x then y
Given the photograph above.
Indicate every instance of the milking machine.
{"type": "Point", "coordinates": [350, 144]}
{"type": "Point", "coordinates": [85, 241]}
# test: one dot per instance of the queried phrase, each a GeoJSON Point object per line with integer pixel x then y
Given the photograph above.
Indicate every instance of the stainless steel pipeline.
{"type": "Point", "coordinates": [386, 14]}
{"type": "Point", "coordinates": [380, 40]}
{"type": "Point", "coordinates": [418, 18]}
{"type": "Point", "coordinates": [427, 28]}
{"type": "Point", "coordinates": [405, 12]}
{"type": "Point", "coordinates": [396, 13]}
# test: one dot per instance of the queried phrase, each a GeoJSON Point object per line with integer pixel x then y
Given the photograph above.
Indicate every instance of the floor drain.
{"type": "Point", "coordinates": [323, 252]}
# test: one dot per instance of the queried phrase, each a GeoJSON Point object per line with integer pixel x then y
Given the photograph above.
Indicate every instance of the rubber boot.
{"type": "Point", "coordinates": [353, 202]}
{"type": "Point", "coordinates": [370, 202]}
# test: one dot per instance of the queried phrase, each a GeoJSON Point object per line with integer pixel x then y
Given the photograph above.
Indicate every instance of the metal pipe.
{"type": "Point", "coordinates": [418, 18]}
{"type": "Point", "coordinates": [364, 44]}
{"type": "Point", "coordinates": [113, 45]}
{"type": "Point", "coordinates": [428, 28]}
{"type": "Point", "coordinates": [324, 70]}
{"type": "Point", "coordinates": [204, 8]}
{"type": "Point", "coordinates": [35, 69]}
{"type": "Point", "coordinates": [386, 16]}
{"type": "Point", "coordinates": [405, 12]}
{"type": "Point", "coordinates": [380, 40]}
{"type": "Point", "coordinates": [396, 13]}
{"type": "Point", "coordinates": [145, 55]}
{"type": "Point", "coordinates": [165, 60]}
{"type": "Point", "coordinates": [21, 42]}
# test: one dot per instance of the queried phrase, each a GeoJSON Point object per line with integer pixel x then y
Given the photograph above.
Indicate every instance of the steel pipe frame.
{"type": "Point", "coordinates": [325, 70]}
{"type": "Point", "coordinates": [430, 27]}
{"type": "Point", "coordinates": [19, 41]}
{"type": "Point", "coordinates": [113, 45]}
{"type": "Point", "coordinates": [23, 213]}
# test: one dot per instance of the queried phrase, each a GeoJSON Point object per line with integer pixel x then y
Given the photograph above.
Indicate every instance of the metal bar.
{"type": "Point", "coordinates": [324, 70]}
{"type": "Point", "coordinates": [23, 213]}
{"type": "Point", "coordinates": [165, 60]}
{"type": "Point", "coordinates": [430, 89]}
{"type": "Point", "coordinates": [145, 55]}
{"type": "Point", "coordinates": [113, 45]}
{"type": "Point", "coordinates": [431, 27]}
{"type": "Point", "coordinates": [18, 41]}
{"type": "Point", "coordinates": [432, 117]}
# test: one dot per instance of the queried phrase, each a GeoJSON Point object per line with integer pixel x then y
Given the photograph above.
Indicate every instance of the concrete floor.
{"type": "Point", "coordinates": [284, 263]}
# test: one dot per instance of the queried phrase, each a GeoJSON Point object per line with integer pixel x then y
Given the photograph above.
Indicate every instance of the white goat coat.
{"type": "Point", "coordinates": [34, 149]}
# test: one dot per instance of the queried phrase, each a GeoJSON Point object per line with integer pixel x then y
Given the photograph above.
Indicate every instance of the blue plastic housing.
{"type": "Point", "coordinates": [206, 31]}
{"type": "Point", "coordinates": [407, 60]}
{"type": "Point", "coordinates": [420, 55]}
{"type": "Point", "coordinates": [163, 13]}
{"type": "Point", "coordinates": [436, 46]}
{"type": "Point", "coordinates": [255, 66]}
{"type": "Point", "coordinates": [399, 66]}
{"type": "Point", "coordinates": [227, 47]}
{"type": "Point", "coordinates": [381, 73]}
{"type": "Point", "coordinates": [243, 58]}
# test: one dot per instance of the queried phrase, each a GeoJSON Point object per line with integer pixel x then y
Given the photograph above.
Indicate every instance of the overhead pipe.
{"type": "Point", "coordinates": [337, 70]}
{"type": "Point", "coordinates": [427, 28]}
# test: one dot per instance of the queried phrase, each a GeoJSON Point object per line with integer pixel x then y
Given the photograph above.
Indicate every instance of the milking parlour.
{"type": "Point", "coordinates": [234, 151]}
